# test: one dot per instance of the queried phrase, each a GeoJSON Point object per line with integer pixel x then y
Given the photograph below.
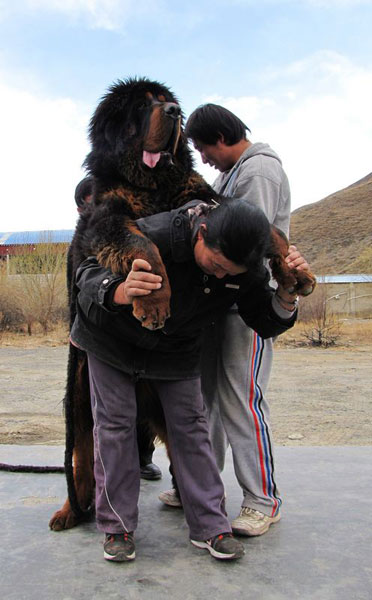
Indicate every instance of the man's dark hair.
{"type": "Point", "coordinates": [240, 230]}
{"type": "Point", "coordinates": [211, 122]}
{"type": "Point", "coordinates": [83, 189]}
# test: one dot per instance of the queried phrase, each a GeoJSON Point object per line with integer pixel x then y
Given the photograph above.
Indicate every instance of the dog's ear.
{"type": "Point", "coordinates": [111, 133]}
{"type": "Point", "coordinates": [132, 130]}
{"type": "Point", "coordinates": [115, 133]}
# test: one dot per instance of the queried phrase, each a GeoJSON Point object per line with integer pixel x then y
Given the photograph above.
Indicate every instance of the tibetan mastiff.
{"type": "Point", "coordinates": [140, 164]}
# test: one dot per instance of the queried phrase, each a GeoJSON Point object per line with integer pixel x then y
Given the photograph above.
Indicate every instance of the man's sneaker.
{"type": "Point", "coordinates": [223, 546]}
{"type": "Point", "coordinates": [150, 471]}
{"type": "Point", "coordinates": [119, 547]}
{"type": "Point", "coordinates": [171, 498]}
{"type": "Point", "coordinates": [252, 522]}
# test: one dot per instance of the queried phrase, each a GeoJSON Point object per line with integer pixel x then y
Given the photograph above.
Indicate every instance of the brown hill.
{"type": "Point", "coordinates": [335, 234]}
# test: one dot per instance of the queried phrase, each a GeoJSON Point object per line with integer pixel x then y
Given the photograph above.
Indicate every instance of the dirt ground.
{"type": "Point", "coordinates": [318, 397]}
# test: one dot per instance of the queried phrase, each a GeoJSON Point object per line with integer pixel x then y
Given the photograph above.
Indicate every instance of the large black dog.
{"type": "Point", "coordinates": [141, 165]}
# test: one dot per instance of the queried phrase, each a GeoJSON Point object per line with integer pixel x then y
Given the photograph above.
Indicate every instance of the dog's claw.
{"type": "Point", "coordinates": [307, 291]}
{"type": "Point", "coordinates": [143, 318]}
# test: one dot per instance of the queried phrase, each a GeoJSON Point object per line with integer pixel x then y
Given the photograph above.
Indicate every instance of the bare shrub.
{"type": "Point", "coordinates": [10, 316]}
{"type": "Point", "coordinates": [38, 284]}
{"type": "Point", "coordinates": [320, 325]}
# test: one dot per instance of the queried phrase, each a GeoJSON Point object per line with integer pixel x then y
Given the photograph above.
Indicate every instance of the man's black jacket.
{"type": "Point", "coordinates": [113, 335]}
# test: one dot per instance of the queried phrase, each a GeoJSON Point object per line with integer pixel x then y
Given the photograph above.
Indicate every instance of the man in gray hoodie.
{"type": "Point", "coordinates": [236, 396]}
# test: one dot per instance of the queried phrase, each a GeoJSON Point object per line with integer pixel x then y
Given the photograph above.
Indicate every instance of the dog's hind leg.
{"type": "Point", "coordinates": [79, 438]}
{"type": "Point", "coordinates": [65, 518]}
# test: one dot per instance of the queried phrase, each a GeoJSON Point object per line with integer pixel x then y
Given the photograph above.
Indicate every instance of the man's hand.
{"type": "Point", "coordinates": [138, 283]}
{"type": "Point", "coordinates": [295, 260]}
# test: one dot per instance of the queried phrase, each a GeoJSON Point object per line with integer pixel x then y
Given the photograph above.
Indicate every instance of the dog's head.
{"type": "Point", "coordinates": [139, 120]}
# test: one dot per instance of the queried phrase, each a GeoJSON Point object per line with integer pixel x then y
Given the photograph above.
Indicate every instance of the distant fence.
{"type": "Point", "coordinates": [351, 298]}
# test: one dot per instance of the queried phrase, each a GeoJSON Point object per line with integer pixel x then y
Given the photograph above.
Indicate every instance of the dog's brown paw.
{"type": "Point", "coordinates": [63, 519]}
{"type": "Point", "coordinates": [306, 283]}
{"type": "Point", "coordinates": [152, 310]}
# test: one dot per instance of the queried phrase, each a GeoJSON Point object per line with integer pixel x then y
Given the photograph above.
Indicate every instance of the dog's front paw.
{"type": "Point", "coordinates": [152, 310]}
{"type": "Point", "coordinates": [306, 283]}
{"type": "Point", "coordinates": [292, 280]}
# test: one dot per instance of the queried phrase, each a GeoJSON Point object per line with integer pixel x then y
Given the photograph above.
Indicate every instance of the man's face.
{"type": "Point", "coordinates": [213, 262]}
{"type": "Point", "coordinates": [216, 155]}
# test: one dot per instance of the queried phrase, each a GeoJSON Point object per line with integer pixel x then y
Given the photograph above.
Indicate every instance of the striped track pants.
{"type": "Point", "coordinates": [236, 365]}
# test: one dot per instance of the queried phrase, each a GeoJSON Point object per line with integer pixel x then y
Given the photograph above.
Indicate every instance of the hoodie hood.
{"type": "Point", "coordinates": [254, 150]}
{"type": "Point", "coordinates": [225, 180]}
{"type": "Point", "coordinates": [259, 177]}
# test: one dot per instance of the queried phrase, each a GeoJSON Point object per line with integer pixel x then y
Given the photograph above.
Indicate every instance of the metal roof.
{"type": "Point", "coordinates": [361, 278]}
{"type": "Point", "coordinates": [36, 237]}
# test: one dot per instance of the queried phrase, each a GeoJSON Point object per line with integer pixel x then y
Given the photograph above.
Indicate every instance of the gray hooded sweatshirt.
{"type": "Point", "coordinates": [259, 177]}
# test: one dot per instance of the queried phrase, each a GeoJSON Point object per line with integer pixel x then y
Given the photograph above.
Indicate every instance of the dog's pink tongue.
{"type": "Point", "coordinates": [151, 158]}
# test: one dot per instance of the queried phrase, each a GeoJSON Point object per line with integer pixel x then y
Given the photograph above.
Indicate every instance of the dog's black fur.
{"type": "Point", "coordinates": [135, 116]}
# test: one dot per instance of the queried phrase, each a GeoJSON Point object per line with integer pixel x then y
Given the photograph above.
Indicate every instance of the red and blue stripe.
{"type": "Point", "coordinates": [264, 445]}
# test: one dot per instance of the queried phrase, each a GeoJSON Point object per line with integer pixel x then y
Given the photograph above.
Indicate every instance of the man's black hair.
{"type": "Point", "coordinates": [83, 189]}
{"type": "Point", "coordinates": [238, 229]}
{"type": "Point", "coordinates": [211, 122]}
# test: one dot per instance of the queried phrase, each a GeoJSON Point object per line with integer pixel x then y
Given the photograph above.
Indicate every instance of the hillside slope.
{"type": "Point", "coordinates": [335, 234]}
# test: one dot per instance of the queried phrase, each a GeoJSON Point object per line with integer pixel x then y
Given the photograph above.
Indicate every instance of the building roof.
{"type": "Point", "coordinates": [16, 238]}
{"type": "Point", "coordinates": [60, 236]}
{"type": "Point", "coordinates": [346, 278]}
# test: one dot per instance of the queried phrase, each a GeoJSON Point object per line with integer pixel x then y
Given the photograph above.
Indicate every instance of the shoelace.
{"type": "Point", "coordinates": [219, 537]}
{"type": "Point", "coordinates": [251, 512]}
{"type": "Point", "coordinates": [127, 536]}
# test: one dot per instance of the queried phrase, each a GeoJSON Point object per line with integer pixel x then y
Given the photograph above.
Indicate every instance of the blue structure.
{"type": "Point", "coordinates": [12, 243]}
{"type": "Point", "coordinates": [346, 278]}
{"type": "Point", "coordinates": [58, 236]}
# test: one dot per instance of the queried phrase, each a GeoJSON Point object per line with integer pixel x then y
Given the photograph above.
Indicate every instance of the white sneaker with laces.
{"type": "Point", "coordinates": [252, 522]}
{"type": "Point", "coordinates": [170, 498]}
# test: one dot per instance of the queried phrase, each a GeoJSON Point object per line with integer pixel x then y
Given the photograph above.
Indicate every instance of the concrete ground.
{"type": "Point", "coordinates": [320, 550]}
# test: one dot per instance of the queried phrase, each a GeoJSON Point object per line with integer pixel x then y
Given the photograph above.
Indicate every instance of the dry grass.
{"type": "Point", "coordinates": [335, 233]}
{"type": "Point", "coordinates": [57, 336]}
{"type": "Point", "coordinates": [353, 333]}
{"type": "Point", "coordinates": [33, 288]}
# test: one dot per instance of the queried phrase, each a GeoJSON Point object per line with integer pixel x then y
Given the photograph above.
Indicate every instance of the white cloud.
{"type": "Point", "coordinates": [98, 14]}
{"type": "Point", "coordinates": [44, 142]}
{"type": "Point", "coordinates": [338, 4]}
{"type": "Point", "coordinates": [316, 115]}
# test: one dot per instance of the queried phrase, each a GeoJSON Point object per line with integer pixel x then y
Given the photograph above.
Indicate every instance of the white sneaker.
{"type": "Point", "coordinates": [252, 522]}
{"type": "Point", "coordinates": [171, 498]}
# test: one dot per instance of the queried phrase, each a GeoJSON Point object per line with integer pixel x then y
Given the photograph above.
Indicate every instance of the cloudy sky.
{"type": "Point", "coordinates": [298, 72]}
